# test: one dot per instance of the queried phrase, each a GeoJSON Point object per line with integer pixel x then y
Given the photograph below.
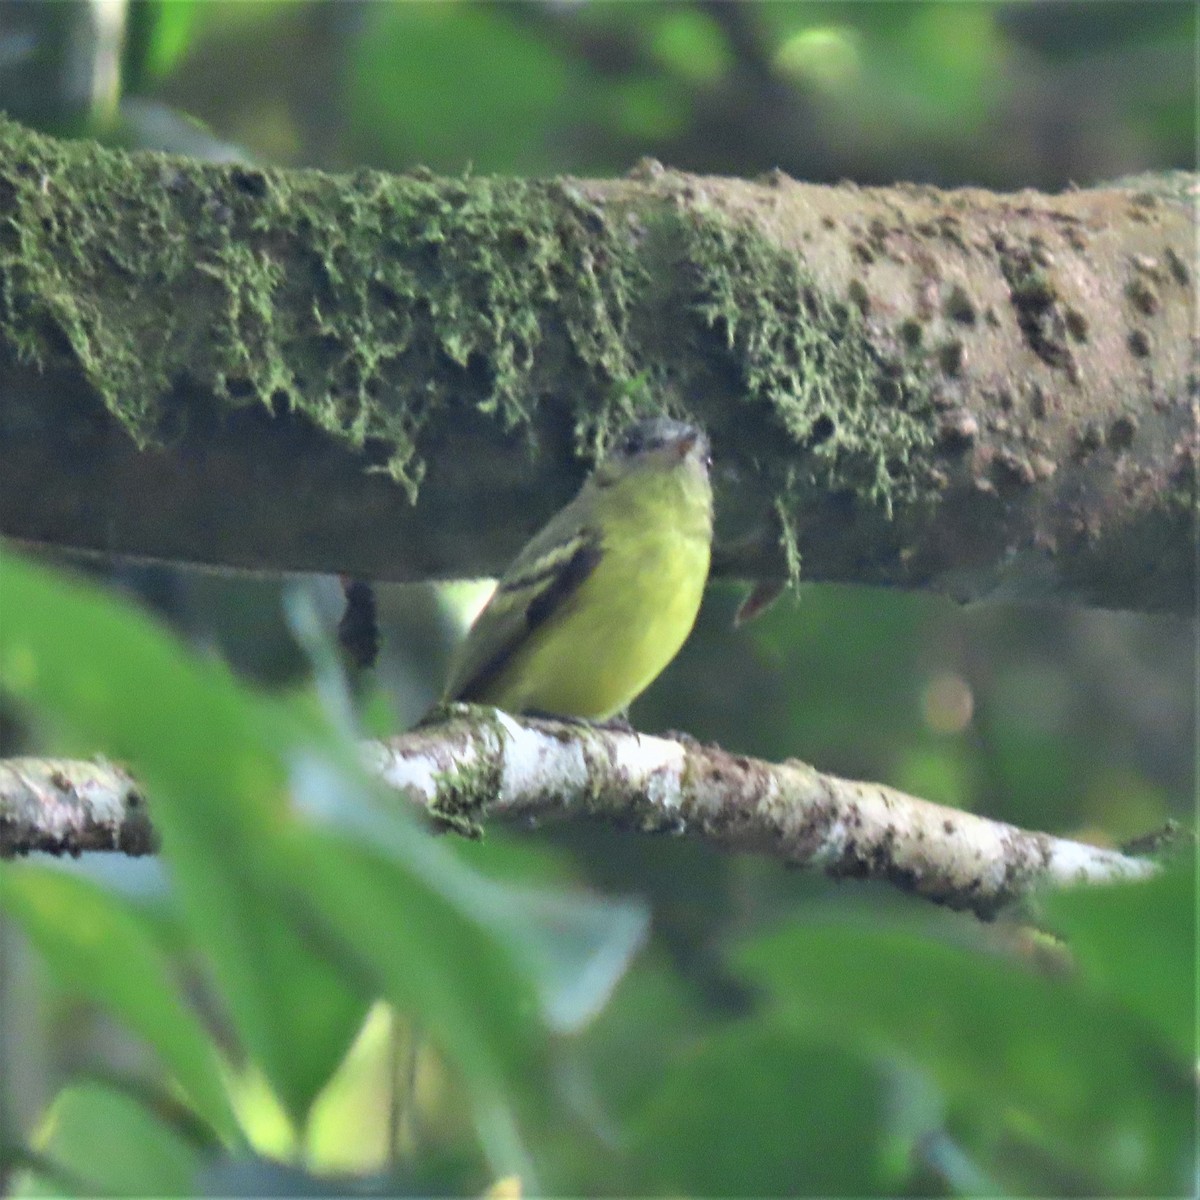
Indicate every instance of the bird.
{"type": "Point", "coordinates": [598, 602]}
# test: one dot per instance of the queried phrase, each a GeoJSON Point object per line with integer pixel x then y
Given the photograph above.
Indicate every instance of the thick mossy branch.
{"type": "Point", "coordinates": [371, 304]}
{"type": "Point", "coordinates": [366, 305]}
{"type": "Point", "coordinates": [268, 369]}
{"type": "Point", "coordinates": [809, 359]}
{"type": "Point", "coordinates": [374, 305]}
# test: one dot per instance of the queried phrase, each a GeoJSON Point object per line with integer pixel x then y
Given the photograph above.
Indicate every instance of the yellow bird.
{"type": "Point", "coordinates": [599, 601]}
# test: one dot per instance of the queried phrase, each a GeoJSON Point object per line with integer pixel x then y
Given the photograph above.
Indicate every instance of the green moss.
{"type": "Point", "coordinates": [365, 303]}
{"type": "Point", "coordinates": [789, 542]}
{"type": "Point", "coordinates": [862, 422]}
{"type": "Point", "coordinates": [466, 790]}
{"type": "Point", "coordinates": [369, 303]}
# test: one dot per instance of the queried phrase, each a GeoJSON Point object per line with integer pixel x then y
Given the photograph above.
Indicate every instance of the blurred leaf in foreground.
{"type": "Point", "coordinates": [1044, 1066]}
{"type": "Point", "coordinates": [310, 890]}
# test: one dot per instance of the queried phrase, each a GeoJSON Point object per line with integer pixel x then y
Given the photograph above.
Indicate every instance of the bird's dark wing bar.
{"type": "Point", "coordinates": [544, 569]}
{"type": "Point", "coordinates": [566, 581]}
{"type": "Point", "coordinates": [521, 604]}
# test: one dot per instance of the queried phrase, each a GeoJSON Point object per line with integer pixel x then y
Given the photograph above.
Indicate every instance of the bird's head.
{"type": "Point", "coordinates": [655, 444]}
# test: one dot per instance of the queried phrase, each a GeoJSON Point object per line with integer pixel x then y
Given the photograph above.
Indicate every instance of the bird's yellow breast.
{"type": "Point", "coordinates": [615, 635]}
{"type": "Point", "coordinates": [628, 618]}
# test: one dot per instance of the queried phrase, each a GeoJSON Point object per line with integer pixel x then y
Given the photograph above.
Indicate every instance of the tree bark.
{"type": "Point", "coordinates": [486, 765]}
{"type": "Point", "coordinates": [400, 377]}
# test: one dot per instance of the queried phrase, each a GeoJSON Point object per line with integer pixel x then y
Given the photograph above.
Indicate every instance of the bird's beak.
{"type": "Point", "coordinates": [685, 445]}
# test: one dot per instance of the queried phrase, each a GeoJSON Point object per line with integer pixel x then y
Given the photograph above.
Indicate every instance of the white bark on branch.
{"type": "Point", "coordinates": [486, 764]}
{"type": "Point", "coordinates": [67, 807]}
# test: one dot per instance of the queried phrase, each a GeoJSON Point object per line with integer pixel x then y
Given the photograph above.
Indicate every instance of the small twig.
{"type": "Point", "coordinates": [403, 1046]}
{"type": "Point", "coordinates": [480, 763]}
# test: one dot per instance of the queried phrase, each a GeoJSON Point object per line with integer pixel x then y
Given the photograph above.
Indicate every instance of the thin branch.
{"type": "Point", "coordinates": [482, 764]}
{"type": "Point", "coordinates": [66, 807]}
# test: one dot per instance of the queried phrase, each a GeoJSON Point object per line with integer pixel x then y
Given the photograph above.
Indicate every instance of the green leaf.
{"type": "Point", "coordinates": [318, 1010]}
{"type": "Point", "coordinates": [211, 756]}
{"type": "Point", "coordinates": [573, 949]}
{"type": "Point", "coordinates": [401, 97]}
{"type": "Point", "coordinates": [312, 889]}
{"type": "Point", "coordinates": [1042, 1062]}
{"type": "Point", "coordinates": [477, 961]}
{"type": "Point", "coordinates": [1137, 943]}
{"type": "Point", "coordinates": [406, 942]}
{"type": "Point", "coordinates": [99, 946]}
{"type": "Point", "coordinates": [158, 35]}
{"type": "Point", "coordinates": [108, 1142]}
{"type": "Point", "coordinates": [759, 1112]}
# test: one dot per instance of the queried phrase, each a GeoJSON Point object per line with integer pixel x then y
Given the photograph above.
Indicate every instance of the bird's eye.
{"type": "Point", "coordinates": [633, 444]}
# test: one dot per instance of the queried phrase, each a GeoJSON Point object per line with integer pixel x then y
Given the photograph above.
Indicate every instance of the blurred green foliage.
{"type": "Point", "coordinates": [106, 1141]}
{"type": "Point", "coordinates": [297, 897]}
{"type": "Point", "coordinates": [778, 1034]}
{"type": "Point", "coordinates": [408, 112]}
{"type": "Point", "coordinates": [1032, 1062]}
{"type": "Point", "coordinates": [1005, 94]}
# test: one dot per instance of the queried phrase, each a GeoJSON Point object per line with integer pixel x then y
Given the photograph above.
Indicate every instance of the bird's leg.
{"type": "Point", "coordinates": [617, 723]}
{"type": "Point", "coordinates": [614, 724]}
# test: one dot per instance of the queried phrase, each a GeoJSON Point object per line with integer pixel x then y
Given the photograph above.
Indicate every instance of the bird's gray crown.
{"type": "Point", "coordinates": [656, 433]}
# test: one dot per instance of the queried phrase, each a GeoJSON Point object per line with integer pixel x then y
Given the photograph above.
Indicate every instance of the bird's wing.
{"type": "Point", "coordinates": [537, 584]}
